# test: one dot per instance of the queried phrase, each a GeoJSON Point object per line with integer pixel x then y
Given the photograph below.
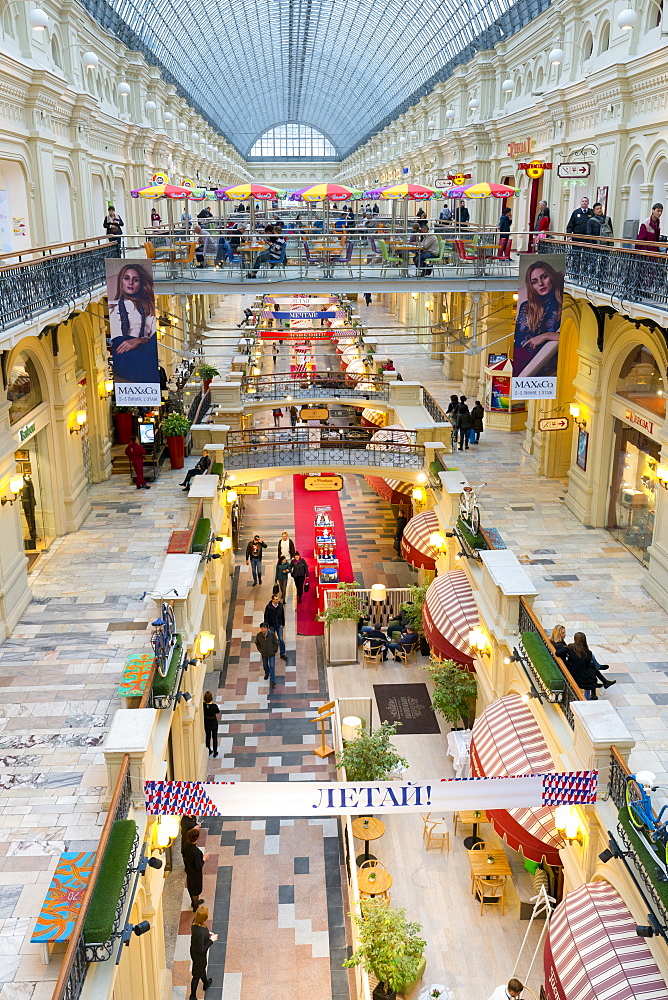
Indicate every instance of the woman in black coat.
{"type": "Point", "coordinates": [200, 941]}
{"type": "Point", "coordinates": [464, 423]}
{"type": "Point", "coordinates": [477, 417]}
{"type": "Point", "coordinates": [582, 665]}
{"type": "Point", "coordinates": [193, 862]}
{"type": "Point", "coordinates": [299, 573]}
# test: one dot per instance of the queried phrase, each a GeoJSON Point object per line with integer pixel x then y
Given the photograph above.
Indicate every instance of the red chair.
{"type": "Point", "coordinates": [464, 257]}
{"type": "Point", "coordinates": [504, 249]}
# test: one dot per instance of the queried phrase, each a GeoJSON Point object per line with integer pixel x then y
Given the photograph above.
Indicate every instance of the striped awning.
{"type": "Point", "coordinates": [507, 740]}
{"type": "Point", "coordinates": [391, 490]}
{"type": "Point", "coordinates": [448, 615]}
{"type": "Point", "coordinates": [415, 547]}
{"type": "Point", "coordinates": [592, 951]}
{"type": "Point", "coordinates": [375, 417]}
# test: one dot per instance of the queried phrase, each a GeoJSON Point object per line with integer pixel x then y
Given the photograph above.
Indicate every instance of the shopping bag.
{"type": "Point", "coordinates": [472, 436]}
{"type": "Point", "coordinates": [306, 586]}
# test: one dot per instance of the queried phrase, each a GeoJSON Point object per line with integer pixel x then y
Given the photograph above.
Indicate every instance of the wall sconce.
{"type": "Point", "coordinates": [224, 543]}
{"type": "Point", "coordinates": [418, 494]}
{"type": "Point", "coordinates": [165, 831]}
{"type": "Point", "coordinates": [204, 644]}
{"type": "Point", "coordinates": [422, 477]}
{"type": "Point", "coordinates": [378, 592]}
{"type": "Point", "coordinates": [662, 475]}
{"type": "Point", "coordinates": [529, 695]}
{"type": "Point", "coordinates": [437, 541]}
{"type": "Point", "coordinates": [567, 822]}
{"type": "Point", "coordinates": [15, 487]}
{"type": "Point", "coordinates": [231, 496]}
{"type": "Point", "coordinates": [81, 418]}
{"type": "Point", "coordinates": [107, 388]}
{"type": "Point", "coordinates": [479, 641]}
{"type": "Point", "coordinates": [575, 410]}
{"type": "Point", "coordinates": [186, 695]}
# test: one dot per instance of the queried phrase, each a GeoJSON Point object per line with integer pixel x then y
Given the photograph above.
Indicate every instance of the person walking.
{"type": "Point", "coordinates": [135, 452]}
{"type": "Point", "coordinates": [477, 417]}
{"type": "Point", "coordinates": [254, 556]}
{"type": "Point", "coordinates": [188, 823]}
{"type": "Point", "coordinates": [286, 547]}
{"type": "Point", "coordinates": [266, 643]}
{"type": "Point", "coordinates": [464, 423]}
{"type": "Point", "coordinates": [510, 992]}
{"type": "Point", "coordinates": [211, 713]}
{"type": "Point", "coordinates": [201, 469]}
{"type": "Point", "coordinates": [402, 521]}
{"type": "Point", "coordinates": [505, 223]}
{"type": "Point", "coordinates": [282, 574]}
{"type": "Point", "coordinates": [274, 615]}
{"type": "Point", "coordinates": [299, 573]}
{"type": "Point", "coordinates": [367, 298]}
{"type": "Point", "coordinates": [193, 862]}
{"type": "Point", "coordinates": [275, 351]}
{"type": "Point", "coordinates": [277, 413]}
{"type": "Point", "coordinates": [201, 940]}
{"type": "Point", "coordinates": [294, 414]}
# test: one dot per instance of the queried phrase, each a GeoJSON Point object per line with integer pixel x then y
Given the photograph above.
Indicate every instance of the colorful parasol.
{"type": "Point", "coordinates": [174, 191]}
{"type": "Point", "coordinates": [244, 192]}
{"type": "Point", "coordinates": [326, 192]}
{"type": "Point", "coordinates": [481, 190]}
{"type": "Point", "coordinates": [414, 192]}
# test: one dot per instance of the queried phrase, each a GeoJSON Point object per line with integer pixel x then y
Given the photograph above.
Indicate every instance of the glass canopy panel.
{"type": "Point", "coordinates": [344, 67]}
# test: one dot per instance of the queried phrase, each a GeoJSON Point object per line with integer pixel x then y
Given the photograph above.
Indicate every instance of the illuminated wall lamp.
{"type": "Point", "coordinates": [80, 418]}
{"type": "Point", "coordinates": [575, 411]}
{"type": "Point", "coordinates": [204, 644]}
{"type": "Point", "coordinates": [231, 496]}
{"type": "Point", "coordinates": [224, 543]}
{"type": "Point", "coordinates": [378, 592]}
{"type": "Point", "coordinates": [165, 831]}
{"type": "Point", "coordinates": [15, 487]}
{"type": "Point", "coordinates": [437, 541]}
{"type": "Point", "coordinates": [567, 823]}
{"type": "Point", "coordinates": [107, 388]}
{"type": "Point", "coordinates": [479, 642]}
{"type": "Point", "coordinates": [662, 475]}
{"type": "Point", "coordinates": [418, 494]}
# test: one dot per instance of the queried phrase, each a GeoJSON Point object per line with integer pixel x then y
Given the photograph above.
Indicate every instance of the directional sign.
{"type": "Point", "coordinates": [574, 170]}
{"type": "Point", "coordinates": [313, 484]}
{"type": "Point", "coordinates": [553, 424]}
{"type": "Point", "coordinates": [247, 491]}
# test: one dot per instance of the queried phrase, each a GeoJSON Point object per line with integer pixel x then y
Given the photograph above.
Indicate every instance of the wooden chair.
{"type": "Point", "coordinates": [383, 897]}
{"type": "Point", "coordinates": [490, 890]}
{"type": "Point", "coordinates": [405, 654]}
{"type": "Point", "coordinates": [439, 839]}
{"type": "Point", "coordinates": [373, 863]}
{"type": "Point", "coordinates": [372, 657]}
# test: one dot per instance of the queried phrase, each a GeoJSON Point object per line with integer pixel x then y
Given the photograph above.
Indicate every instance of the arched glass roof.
{"type": "Point", "coordinates": [343, 66]}
{"type": "Point", "coordinates": [293, 140]}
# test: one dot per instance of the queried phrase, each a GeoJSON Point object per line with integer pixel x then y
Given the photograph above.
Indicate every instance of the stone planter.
{"type": "Point", "coordinates": [341, 641]}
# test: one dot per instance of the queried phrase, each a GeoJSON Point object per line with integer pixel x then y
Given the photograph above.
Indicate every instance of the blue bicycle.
{"type": "Point", "coordinates": [650, 828]}
{"type": "Point", "coordinates": [162, 638]}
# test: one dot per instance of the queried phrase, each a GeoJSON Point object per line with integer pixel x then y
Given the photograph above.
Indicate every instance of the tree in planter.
{"type": "Point", "coordinates": [413, 614]}
{"type": "Point", "coordinates": [342, 606]}
{"type": "Point", "coordinates": [455, 691]}
{"type": "Point", "coordinates": [207, 373]}
{"type": "Point", "coordinates": [390, 947]}
{"type": "Point", "coordinates": [371, 757]}
{"type": "Point", "coordinates": [175, 427]}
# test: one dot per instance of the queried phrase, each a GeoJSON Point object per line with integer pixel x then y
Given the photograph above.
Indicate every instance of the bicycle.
{"type": "Point", "coordinates": [649, 827]}
{"type": "Point", "coordinates": [162, 638]}
{"type": "Point", "coordinates": [468, 507]}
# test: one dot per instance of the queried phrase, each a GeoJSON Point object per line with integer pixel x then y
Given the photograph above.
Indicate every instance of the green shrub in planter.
{"type": "Point", "coordinates": [162, 686]}
{"type": "Point", "coordinates": [390, 947]}
{"type": "Point", "coordinates": [99, 922]}
{"type": "Point", "coordinates": [371, 757]}
{"type": "Point", "coordinates": [175, 425]}
{"type": "Point", "coordinates": [201, 535]}
{"type": "Point", "coordinates": [207, 372]}
{"type": "Point", "coordinates": [543, 661]}
{"type": "Point", "coordinates": [455, 691]}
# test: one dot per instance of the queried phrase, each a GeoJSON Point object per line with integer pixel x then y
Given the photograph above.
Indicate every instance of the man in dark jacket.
{"type": "Point", "coordinates": [477, 417]}
{"type": "Point", "coordinates": [274, 615]}
{"type": "Point", "coordinates": [266, 643]}
{"type": "Point", "coordinates": [577, 223]}
{"type": "Point", "coordinates": [402, 521]}
{"type": "Point", "coordinates": [299, 573]}
{"type": "Point", "coordinates": [254, 554]}
{"type": "Point", "coordinates": [409, 640]}
{"type": "Point", "coordinates": [200, 469]}
{"type": "Point", "coordinates": [373, 640]}
{"type": "Point", "coordinates": [464, 424]}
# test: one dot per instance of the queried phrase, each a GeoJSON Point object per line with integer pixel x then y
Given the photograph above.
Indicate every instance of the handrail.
{"type": "Point", "coordinates": [572, 691]}
{"type": "Point", "coordinates": [47, 251]}
{"type": "Point", "coordinates": [72, 972]}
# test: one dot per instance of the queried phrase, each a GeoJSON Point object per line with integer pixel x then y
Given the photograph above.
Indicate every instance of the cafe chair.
{"type": "Point", "coordinates": [463, 257]}
{"type": "Point", "coordinates": [434, 832]}
{"type": "Point", "coordinates": [372, 657]}
{"type": "Point", "coordinates": [385, 898]}
{"type": "Point", "coordinates": [482, 845]}
{"type": "Point", "coordinates": [404, 654]}
{"type": "Point", "coordinates": [344, 259]}
{"type": "Point", "coordinates": [155, 258]}
{"type": "Point", "coordinates": [387, 260]}
{"type": "Point", "coordinates": [490, 891]}
{"type": "Point", "coordinates": [310, 260]}
{"type": "Point", "coordinates": [188, 258]}
{"type": "Point", "coordinates": [373, 863]}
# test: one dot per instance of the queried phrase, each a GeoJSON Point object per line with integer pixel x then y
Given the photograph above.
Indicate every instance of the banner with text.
{"type": "Point", "coordinates": [133, 328]}
{"type": "Point", "coordinates": [311, 798]}
{"type": "Point", "coordinates": [538, 326]}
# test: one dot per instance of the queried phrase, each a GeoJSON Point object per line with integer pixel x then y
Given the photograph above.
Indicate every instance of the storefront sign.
{"type": "Point", "coordinates": [538, 326]}
{"type": "Point", "coordinates": [246, 491]}
{"type": "Point", "coordinates": [642, 422]}
{"type": "Point", "coordinates": [314, 414]}
{"type": "Point", "coordinates": [298, 334]}
{"type": "Point", "coordinates": [535, 169]}
{"type": "Point", "coordinates": [553, 424]}
{"type": "Point", "coordinates": [570, 170]}
{"type": "Point", "coordinates": [26, 431]}
{"type": "Point", "coordinates": [312, 798]}
{"type": "Point", "coordinates": [517, 149]}
{"type": "Point", "coordinates": [316, 484]}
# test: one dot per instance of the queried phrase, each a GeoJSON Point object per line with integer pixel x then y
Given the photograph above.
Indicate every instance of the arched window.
{"type": "Point", "coordinates": [588, 46]}
{"type": "Point", "coordinates": [55, 52]}
{"type": "Point", "coordinates": [604, 43]}
{"type": "Point", "coordinates": [24, 391]}
{"type": "Point", "coordinates": [293, 140]}
{"type": "Point", "coordinates": [641, 382]}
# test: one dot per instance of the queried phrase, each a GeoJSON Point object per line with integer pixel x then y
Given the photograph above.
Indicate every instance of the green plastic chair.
{"type": "Point", "coordinates": [387, 259]}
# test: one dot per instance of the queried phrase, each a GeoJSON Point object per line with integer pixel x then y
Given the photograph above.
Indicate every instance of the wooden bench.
{"type": "Point", "coordinates": [136, 673]}
{"type": "Point", "coordinates": [63, 901]}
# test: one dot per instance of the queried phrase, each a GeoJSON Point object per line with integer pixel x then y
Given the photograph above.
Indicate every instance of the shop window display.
{"type": "Point", "coordinates": [633, 497]}
{"type": "Point", "coordinates": [24, 391]}
{"type": "Point", "coordinates": [36, 497]}
{"type": "Point", "coordinates": [640, 381]}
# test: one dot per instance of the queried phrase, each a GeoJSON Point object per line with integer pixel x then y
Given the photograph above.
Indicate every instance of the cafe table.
{"type": "Point", "coordinates": [488, 863]}
{"type": "Point", "coordinates": [474, 817]}
{"type": "Point", "coordinates": [367, 828]}
{"type": "Point", "coordinates": [374, 881]}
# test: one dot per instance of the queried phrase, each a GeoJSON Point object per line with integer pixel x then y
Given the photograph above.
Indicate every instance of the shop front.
{"type": "Point", "coordinates": [638, 410]}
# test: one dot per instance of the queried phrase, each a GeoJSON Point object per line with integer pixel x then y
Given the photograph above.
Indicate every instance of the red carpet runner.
{"type": "Point", "coordinates": [304, 505]}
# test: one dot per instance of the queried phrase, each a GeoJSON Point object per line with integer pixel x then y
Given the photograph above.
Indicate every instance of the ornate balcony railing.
{"type": "Point", "coordinates": [45, 278]}
{"type": "Point", "coordinates": [313, 385]}
{"type": "Point", "coordinates": [433, 409]}
{"type": "Point", "coordinates": [570, 692]}
{"type": "Point", "coordinates": [313, 447]}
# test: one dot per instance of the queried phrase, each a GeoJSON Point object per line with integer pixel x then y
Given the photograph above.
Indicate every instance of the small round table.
{"type": "Point", "coordinates": [367, 828]}
{"type": "Point", "coordinates": [374, 881]}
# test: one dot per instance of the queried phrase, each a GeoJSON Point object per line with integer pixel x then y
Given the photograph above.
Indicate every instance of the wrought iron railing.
{"type": "Point", "coordinates": [571, 692]}
{"type": "Point", "coordinates": [313, 385]}
{"type": "Point", "coordinates": [348, 453]}
{"type": "Point", "coordinates": [435, 411]}
{"type": "Point", "coordinates": [101, 951]}
{"type": "Point", "coordinates": [75, 961]}
{"type": "Point", "coordinates": [53, 278]}
{"type": "Point", "coordinates": [619, 770]}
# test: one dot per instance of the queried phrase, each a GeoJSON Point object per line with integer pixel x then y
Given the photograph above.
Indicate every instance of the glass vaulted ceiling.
{"type": "Point", "coordinates": [344, 67]}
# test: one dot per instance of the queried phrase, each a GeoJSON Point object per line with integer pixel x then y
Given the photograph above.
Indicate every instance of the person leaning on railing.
{"type": "Point", "coordinates": [599, 225]}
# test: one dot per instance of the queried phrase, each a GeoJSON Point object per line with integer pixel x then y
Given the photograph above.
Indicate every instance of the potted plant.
{"type": "Point", "coordinates": [175, 427]}
{"type": "Point", "coordinates": [123, 416]}
{"type": "Point", "coordinates": [207, 373]}
{"type": "Point", "coordinates": [455, 692]}
{"type": "Point", "coordinates": [413, 614]}
{"type": "Point", "coordinates": [371, 757]}
{"type": "Point", "coordinates": [341, 617]}
{"type": "Point", "coordinates": [390, 948]}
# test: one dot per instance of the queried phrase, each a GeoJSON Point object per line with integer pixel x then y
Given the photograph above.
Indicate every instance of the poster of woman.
{"type": "Point", "coordinates": [538, 326]}
{"type": "Point", "coordinates": [133, 328]}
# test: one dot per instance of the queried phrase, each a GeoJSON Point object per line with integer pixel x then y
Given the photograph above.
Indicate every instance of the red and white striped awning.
{"type": "Point", "coordinates": [391, 490]}
{"type": "Point", "coordinates": [415, 547]}
{"type": "Point", "coordinates": [592, 951]}
{"type": "Point", "coordinates": [507, 740]}
{"type": "Point", "coordinates": [374, 417]}
{"type": "Point", "coordinates": [448, 615]}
